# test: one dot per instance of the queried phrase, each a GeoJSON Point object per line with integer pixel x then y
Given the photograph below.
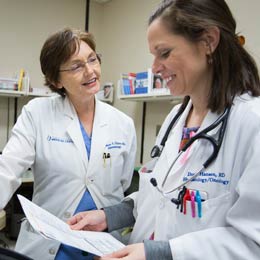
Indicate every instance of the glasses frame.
{"type": "Point", "coordinates": [83, 63]}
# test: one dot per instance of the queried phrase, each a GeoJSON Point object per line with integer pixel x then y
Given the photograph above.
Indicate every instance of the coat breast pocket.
{"type": "Point", "coordinates": [112, 172]}
{"type": "Point", "coordinates": [213, 214]}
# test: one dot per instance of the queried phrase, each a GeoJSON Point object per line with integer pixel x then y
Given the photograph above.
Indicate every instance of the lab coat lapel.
{"type": "Point", "coordinates": [74, 131]}
{"type": "Point", "coordinates": [100, 134]}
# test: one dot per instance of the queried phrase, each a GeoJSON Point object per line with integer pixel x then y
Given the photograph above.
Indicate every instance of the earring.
{"type": "Point", "coordinates": [209, 59]}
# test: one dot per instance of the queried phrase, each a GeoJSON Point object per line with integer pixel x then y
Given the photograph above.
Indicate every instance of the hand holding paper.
{"type": "Point", "coordinates": [49, 226]}
{"type": "Point", "coordinates": [93, 220]}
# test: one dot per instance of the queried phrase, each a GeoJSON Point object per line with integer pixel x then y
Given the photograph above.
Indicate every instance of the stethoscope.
{"type": "Point", "coordinates": [216, 143]}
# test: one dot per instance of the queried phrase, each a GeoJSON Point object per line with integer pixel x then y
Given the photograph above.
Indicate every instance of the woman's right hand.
{"type": "Point", "coordinates": [94, 220]}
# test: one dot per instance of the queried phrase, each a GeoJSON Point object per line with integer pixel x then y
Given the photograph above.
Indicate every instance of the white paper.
{"type": "Point", "coordinates": [49, 226]}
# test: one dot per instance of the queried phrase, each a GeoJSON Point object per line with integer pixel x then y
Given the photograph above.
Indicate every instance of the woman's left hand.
{"type": "Point", "coordinates": [131, 252]}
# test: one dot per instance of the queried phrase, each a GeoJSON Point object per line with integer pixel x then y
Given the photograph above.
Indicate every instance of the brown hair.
{"type": "Point", "coordinates": [57, 49]}
{"type": "Point", "coordinates": [234, 70]}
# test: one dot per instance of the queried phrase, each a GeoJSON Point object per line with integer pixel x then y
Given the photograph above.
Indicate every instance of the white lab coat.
{"type": "Point", "coordinates": [230, 224]}
{"type": "Point", "coordinates": [47, 138]}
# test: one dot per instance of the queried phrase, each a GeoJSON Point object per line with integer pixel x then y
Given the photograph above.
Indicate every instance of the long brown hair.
{"type": "Point", "coordinates": [234, 70]}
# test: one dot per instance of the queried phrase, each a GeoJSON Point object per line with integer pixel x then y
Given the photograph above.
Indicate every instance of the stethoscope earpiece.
{"type": "Point", "coordinates": [156, 151]}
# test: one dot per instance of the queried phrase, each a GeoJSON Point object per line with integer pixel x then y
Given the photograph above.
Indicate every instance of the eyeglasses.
{"type": "Point", "coordinates": [80, 66]}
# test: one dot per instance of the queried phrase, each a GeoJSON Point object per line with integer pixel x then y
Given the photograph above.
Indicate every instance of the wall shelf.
{"type": "Point", "coordinates": [24, 90]}
{"type": "Point", "coordinates": [160, 95]}
{"type": "Point", "coordinates": [14, 87]}
{"type": "Point", "coordinates": [12, 93]}
{"type": "Point", "coordinates": [40, 92]}
{"type": "Point", "coordinates": [151, 97]}
{"type": "Point", "coordinates": [16, 93]}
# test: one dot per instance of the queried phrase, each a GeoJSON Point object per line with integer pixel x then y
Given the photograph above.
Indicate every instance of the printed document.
{"type": "Point", "coordinates": [51, 227]}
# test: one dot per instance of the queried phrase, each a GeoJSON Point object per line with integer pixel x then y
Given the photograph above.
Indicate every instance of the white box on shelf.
{"type": "Point", "coordinates": [9, 84]}
{"type": "Point", "coordinates": [26, 84]}
{"type": "Point", "coordinates": [9, 87]}
{"type": "Point", "coordinates": [42, 91]}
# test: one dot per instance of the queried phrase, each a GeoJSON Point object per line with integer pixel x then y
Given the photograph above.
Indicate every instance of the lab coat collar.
{"type": "Point", "coordinates": [209, 120]}
{"type": "Point", "coordinates": [70, 111]}
{"type": "Point", "coordinates": [68, 108]}
{"type": "Point", "coordinates": [101, 117]}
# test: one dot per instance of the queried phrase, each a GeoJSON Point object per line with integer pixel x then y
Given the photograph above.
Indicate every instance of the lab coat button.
{"type": "Point", "coordinates": [67, 214]}
{"type": "Point", "coordinates": [52, 251]}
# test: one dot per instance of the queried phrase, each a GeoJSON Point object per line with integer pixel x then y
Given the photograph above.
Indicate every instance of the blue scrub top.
{"type": "Point", "coordinates": [66, 252]}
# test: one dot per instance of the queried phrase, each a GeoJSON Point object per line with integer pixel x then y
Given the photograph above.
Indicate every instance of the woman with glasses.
{"type": "Point", "coordinates": [183, 210]}
{"type": "Point", "coordinates": [81, 150]}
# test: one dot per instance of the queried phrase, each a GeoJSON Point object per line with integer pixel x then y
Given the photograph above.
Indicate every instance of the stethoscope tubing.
{"type": "Point", "coordinates": [165, 193]}
{"type": "Point", "coordinates": [201, 135]}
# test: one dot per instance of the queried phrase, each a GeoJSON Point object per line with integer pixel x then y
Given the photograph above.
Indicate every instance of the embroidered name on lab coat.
{"type": "Point", "coordinates": [58, 139]}
{"type": "Point", "coordinates": [115, 145]}
{"type": "Point", "coordinates": [207, 177]}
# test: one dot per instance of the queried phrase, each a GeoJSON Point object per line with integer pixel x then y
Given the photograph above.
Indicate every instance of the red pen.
{"type": "Point", "coordinates": [185, 198]}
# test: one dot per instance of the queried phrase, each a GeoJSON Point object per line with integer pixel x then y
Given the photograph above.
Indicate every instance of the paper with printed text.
{"type": "Point", "coordinates": [51, 227]}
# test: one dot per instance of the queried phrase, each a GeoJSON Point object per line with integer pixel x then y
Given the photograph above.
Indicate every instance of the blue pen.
{"type": "Point", "coordinates": [198, 200]}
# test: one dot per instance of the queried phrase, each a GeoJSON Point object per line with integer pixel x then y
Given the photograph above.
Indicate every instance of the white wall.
{"type": "Point", "coordinates": [120, 31]}
{"type": "Point", "coordinates": [246, 14]}
{"type": "Point", "coordinates": [24, 26]}
{"type": "Point", "coordinates": [121, 28]}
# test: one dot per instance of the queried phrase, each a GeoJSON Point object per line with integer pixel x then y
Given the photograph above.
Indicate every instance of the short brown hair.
{"type": "Point", "coordinates": [57, 49]}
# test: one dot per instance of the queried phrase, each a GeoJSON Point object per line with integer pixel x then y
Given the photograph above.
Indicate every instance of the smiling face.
{"type": "Point", "coordinates": [80, 75]}
{"type": "Point", "coordinates": [181, 63]}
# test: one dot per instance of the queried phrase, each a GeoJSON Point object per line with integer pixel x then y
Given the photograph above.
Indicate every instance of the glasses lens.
{"type": "Point", "coordinates": [80, 66]}
{"type": "Point", "coordinates": [92, 60]}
